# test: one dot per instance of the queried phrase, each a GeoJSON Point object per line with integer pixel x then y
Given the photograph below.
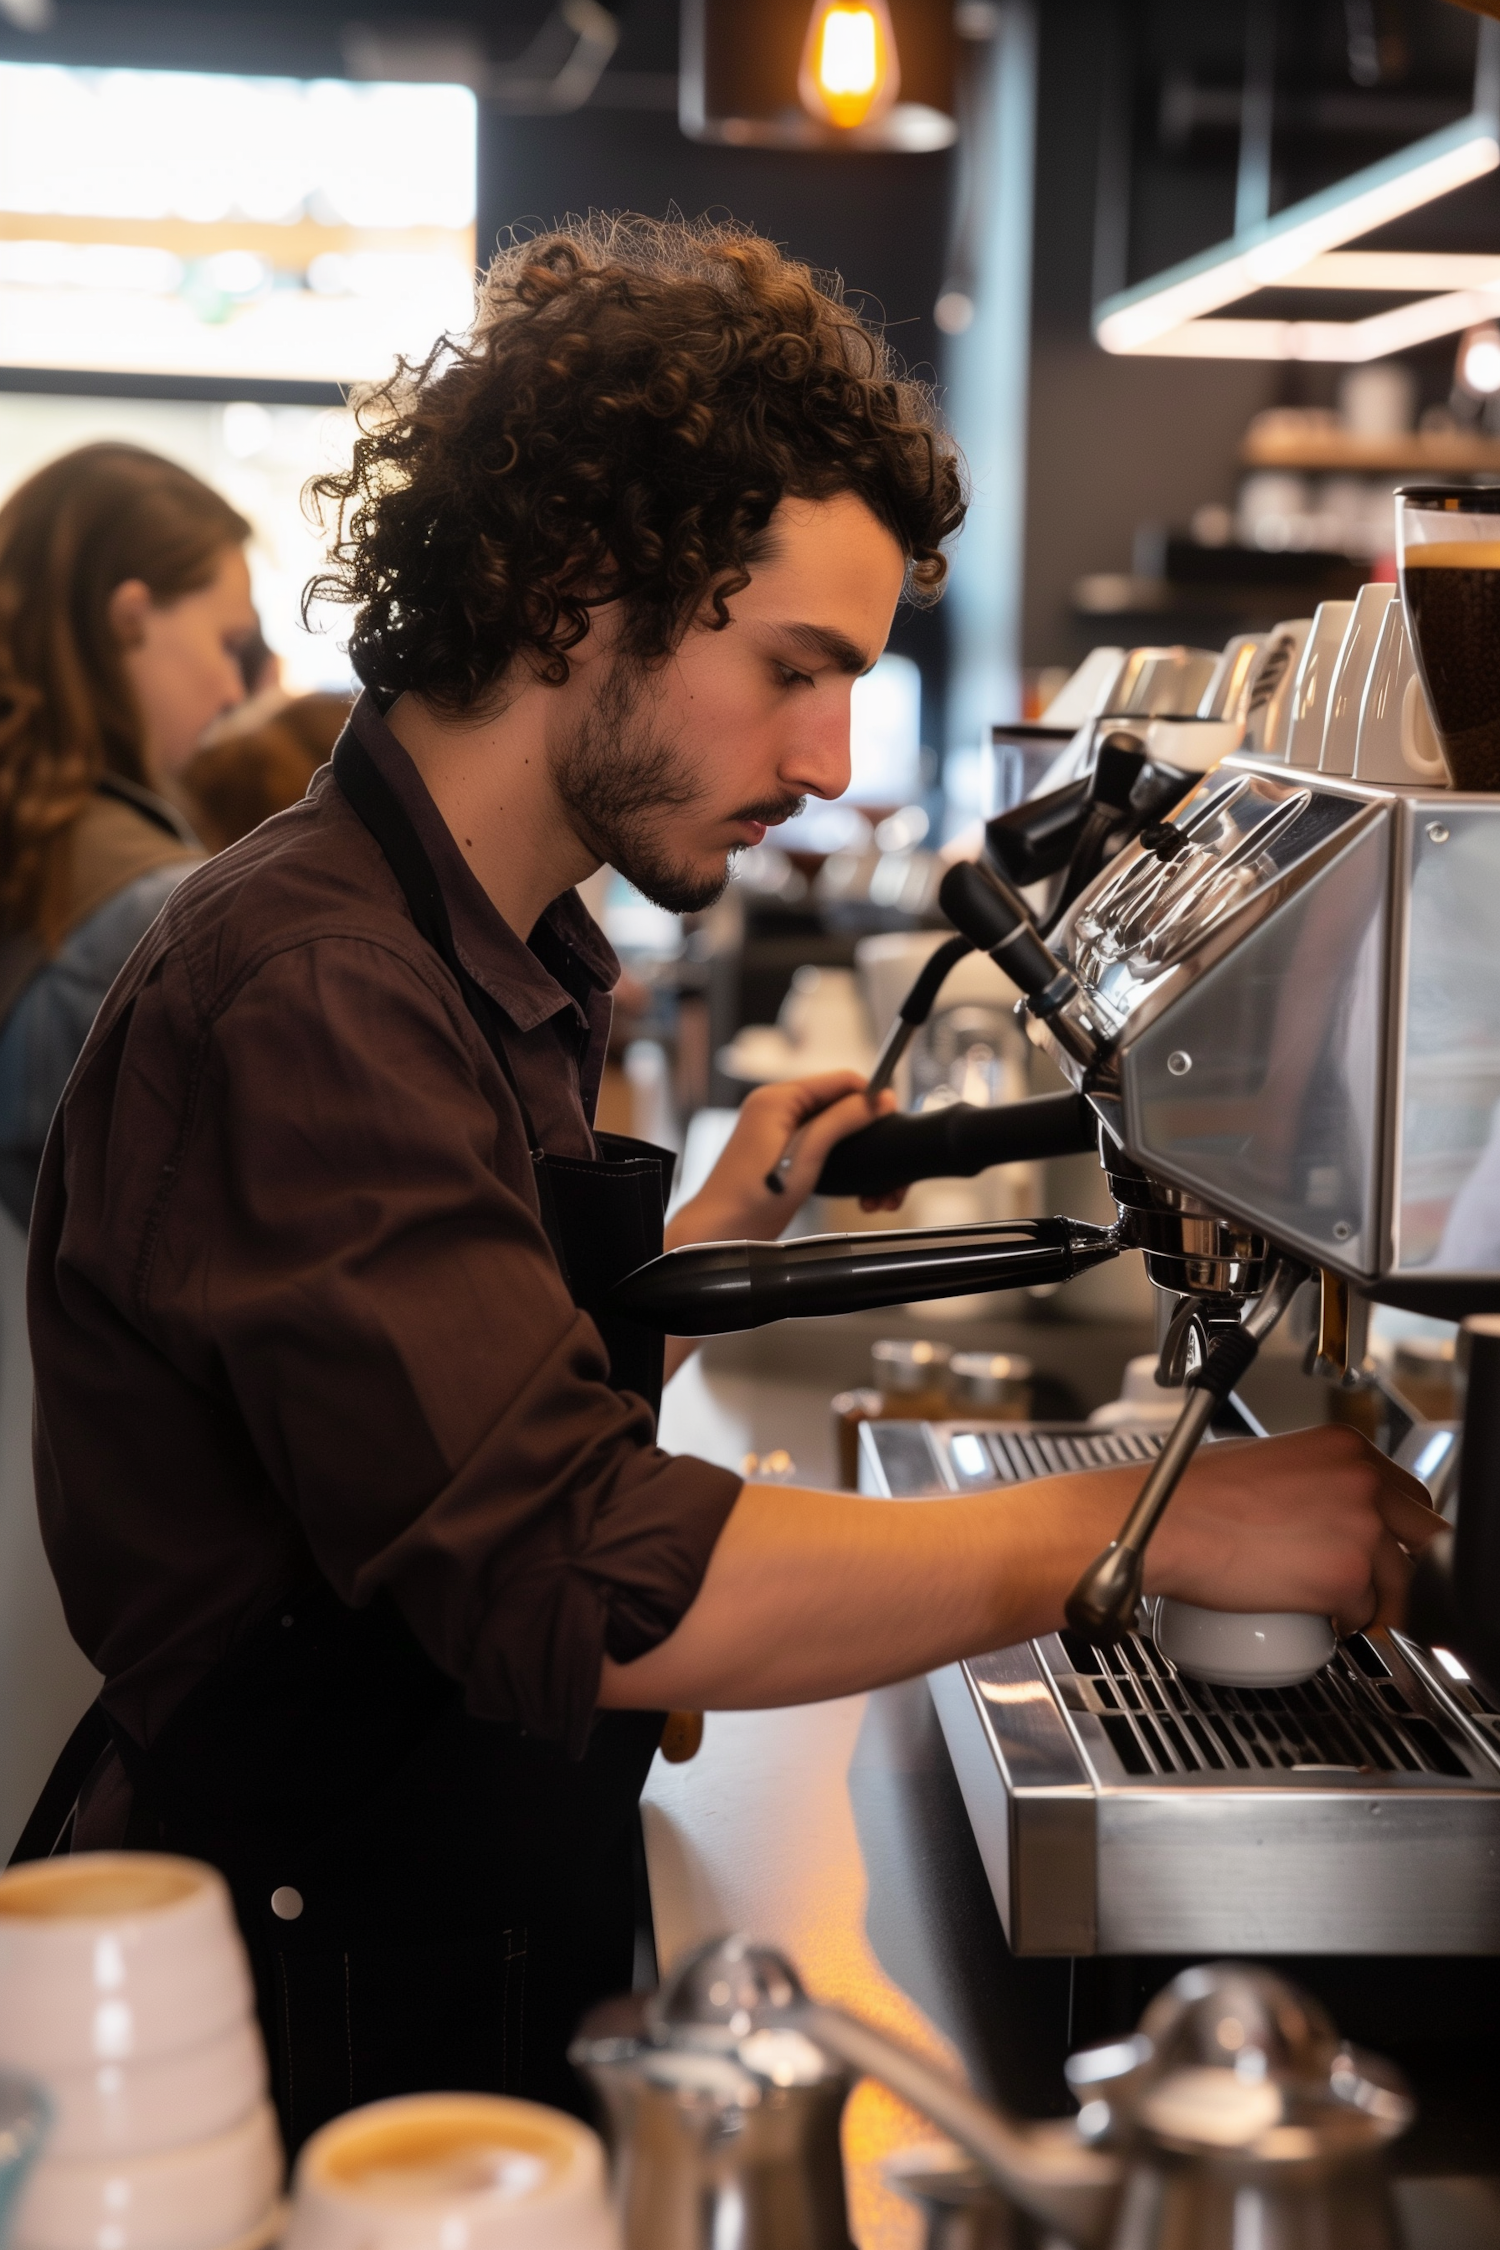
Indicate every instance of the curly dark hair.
{"type": "Point", "coordinates": [633, 400]}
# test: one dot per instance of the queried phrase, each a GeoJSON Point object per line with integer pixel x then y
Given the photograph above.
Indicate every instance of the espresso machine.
{"type": "Point", "coordinates": [1272, 993]}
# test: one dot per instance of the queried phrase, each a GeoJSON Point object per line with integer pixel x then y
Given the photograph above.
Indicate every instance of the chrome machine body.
{"type": "Point", "coordinates": [1292, 992]}
{"type": "Point", "coordinates": [1301, 1018]}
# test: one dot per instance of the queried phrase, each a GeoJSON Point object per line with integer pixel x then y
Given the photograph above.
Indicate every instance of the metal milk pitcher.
{"type": "Point", "coordinates": [1240, 2117]}
{"type": "Point", "coordinates": [723, 2116]}
{"type": "Point", "coordinates": [1232, 2115]}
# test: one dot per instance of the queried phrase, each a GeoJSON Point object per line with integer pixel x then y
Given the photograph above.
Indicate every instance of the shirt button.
{"type": "Point", "coordinates": [286, 1904]}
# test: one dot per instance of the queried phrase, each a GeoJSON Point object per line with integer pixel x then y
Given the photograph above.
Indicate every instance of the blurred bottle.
{"type": "Point", "coordinates": [911, 1385]}
{"type": "Point", "coordinates": [996, 1385]}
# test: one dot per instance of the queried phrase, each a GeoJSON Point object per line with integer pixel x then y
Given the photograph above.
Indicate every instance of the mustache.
{"type": "Point", "coordinates": [771, 811]}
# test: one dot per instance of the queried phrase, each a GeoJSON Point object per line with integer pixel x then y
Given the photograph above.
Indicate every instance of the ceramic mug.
{"type": "Point", "coordinates": [111, 1957]}
{"type": "Point", "coordinates": [158, 2101]}
{"type": "Point", "coordinates": [1395, 742]}
{"type": "Point", "coordinates": [430, 2171]}
{"type": "Point", "coordinates": [1240, 1648]}
{"type": "Point", "coordinates": [1309, 707]}
{"type": "Point", "coordinates": [1351, 671]}
{"type": "Point", "coordinates": [1269, 689]}
{"type": "Point", "coordinates": [204, 2196]}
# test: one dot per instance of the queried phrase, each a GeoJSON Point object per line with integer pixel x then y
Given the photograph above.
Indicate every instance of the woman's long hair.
{"type": "Point", "coordinates": [68, 537]}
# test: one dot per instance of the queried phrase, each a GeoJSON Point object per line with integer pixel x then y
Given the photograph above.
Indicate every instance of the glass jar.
{"type": "Point", "coordinates": [996, 1385]}
{"type": "Point", "coordinates": [911, 1385]}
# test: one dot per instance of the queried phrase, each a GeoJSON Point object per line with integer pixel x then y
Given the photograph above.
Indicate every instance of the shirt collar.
{"type": "Point", "coordinates": [503, 963]}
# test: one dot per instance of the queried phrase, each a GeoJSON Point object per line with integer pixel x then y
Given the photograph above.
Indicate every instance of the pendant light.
{"type": "Point", "coordinates": [851, 72]}
{"type": "Point", "coordinates": [848, 75]}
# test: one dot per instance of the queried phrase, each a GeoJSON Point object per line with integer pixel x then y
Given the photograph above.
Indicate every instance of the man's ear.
{"type": "Point", "coordinates": [127, 610]}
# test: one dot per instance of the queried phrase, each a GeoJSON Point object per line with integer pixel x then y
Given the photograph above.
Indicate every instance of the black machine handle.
{"type": "Point", "coordinates": [957, 1142]}
{"type": "Point", "coordinates": [714, 1288]}
{"type": "Point", "coordinates": [982, 906]}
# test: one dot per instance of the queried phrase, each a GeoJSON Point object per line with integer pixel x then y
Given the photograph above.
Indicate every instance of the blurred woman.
{"type": "Point", "coordinates": [124, 600]}
{"type": "Point", "coordinates": [124, 596]}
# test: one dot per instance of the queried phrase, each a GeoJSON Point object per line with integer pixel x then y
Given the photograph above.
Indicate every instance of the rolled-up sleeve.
{"type": "Point", "coordinates": [345, 1244]}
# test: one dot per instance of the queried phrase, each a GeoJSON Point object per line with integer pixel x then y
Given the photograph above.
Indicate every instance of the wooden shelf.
{"type": "Point", "coordinates": [1270, 443]}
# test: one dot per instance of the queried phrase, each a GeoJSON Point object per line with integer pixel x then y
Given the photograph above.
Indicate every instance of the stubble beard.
{"type": "Point", "coordinates": [627, 784]}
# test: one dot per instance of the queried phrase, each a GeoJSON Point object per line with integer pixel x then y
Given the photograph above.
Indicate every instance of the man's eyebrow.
{"type": "Point", "coordinates": [822, 641]}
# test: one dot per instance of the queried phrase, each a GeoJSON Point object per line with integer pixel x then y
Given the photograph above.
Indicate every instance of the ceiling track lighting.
{"type": "Point", "coordinates": [1173, 314]}
{"type": "Point", "coordinates": [858, 75]}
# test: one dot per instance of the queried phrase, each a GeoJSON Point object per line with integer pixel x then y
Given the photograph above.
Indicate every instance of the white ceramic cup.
{"type": "Point", "coordinates": [1240, 1648]}
{"type": "Point", "coordinates": [159, 2101]}
{"type": "Point", "coordinates": [1350, 673]}
{"type": "Point", "coordinates": [203, 2196]}
{"type": "Point", "coordinates": [1395, 741]}
{"type": "Point", "coordinates": [114, 1957]}
{"type": "Point", "coordinates": [435, 2171]}
{"type": "Point", "coordinates": [1304, 738]}
{"type": "Point", "coordinates": [1269, 689]}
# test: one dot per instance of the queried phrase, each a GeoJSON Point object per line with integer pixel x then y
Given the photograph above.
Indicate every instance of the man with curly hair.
{"type": "Point", "coordinates": [348, 1476]}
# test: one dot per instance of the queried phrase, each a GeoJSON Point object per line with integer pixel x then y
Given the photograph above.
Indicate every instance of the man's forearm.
{"type": "Point", "coordinates": [814, 1594]}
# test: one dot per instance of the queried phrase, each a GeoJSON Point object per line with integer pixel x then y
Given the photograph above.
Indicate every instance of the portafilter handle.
{"type": "Point", "coordinates": [1104, 1601]}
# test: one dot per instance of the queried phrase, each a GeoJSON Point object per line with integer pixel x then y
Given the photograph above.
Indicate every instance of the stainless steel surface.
{"type": "Point", "coordinates": [1121, 1808]}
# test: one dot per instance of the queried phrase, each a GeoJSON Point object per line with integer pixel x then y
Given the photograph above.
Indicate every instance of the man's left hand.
{"type": "Point", "coordinates": [805, 1117]}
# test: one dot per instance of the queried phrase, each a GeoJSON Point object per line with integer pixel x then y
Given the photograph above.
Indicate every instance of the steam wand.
{"type": "Point", "coordinates": [1103, 1603]}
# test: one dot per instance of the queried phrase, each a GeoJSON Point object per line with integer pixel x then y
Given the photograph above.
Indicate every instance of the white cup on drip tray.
{"type": "Point", "coordinates": [1240, 1648]}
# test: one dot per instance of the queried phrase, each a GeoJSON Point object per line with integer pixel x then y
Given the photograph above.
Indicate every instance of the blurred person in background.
{"type": "Point", "coordinates": [124, 601]}
{"type": "Point", "coordinates": [243, 775]}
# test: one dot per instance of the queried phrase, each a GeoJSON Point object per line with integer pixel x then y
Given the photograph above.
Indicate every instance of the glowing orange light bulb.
{"type": "Point", "coordinates": [850, 73]}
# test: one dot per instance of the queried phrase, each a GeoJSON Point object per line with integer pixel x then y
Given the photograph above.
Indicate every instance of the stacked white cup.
{"type": "Point", "coordinates": [125, 1990]}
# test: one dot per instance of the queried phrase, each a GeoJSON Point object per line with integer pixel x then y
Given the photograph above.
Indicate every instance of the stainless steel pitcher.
{"type": "Point", "coordinates": [1233, 2115]}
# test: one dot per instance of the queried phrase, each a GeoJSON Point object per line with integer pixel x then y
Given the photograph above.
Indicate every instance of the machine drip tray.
{"type": "Point", "coordinates": [1355, 1716]}
{"type": "Point", "coordinates": [1123, 1808]}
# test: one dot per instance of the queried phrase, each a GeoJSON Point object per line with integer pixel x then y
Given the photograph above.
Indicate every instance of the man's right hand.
{"type": "Point", "coordinates": [1318, 1522]}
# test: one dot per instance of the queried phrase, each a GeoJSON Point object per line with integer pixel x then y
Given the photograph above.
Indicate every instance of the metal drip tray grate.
{"type": "Point", "coordinates": [1122, 1808]}
{"type": "Point", "coordinates": [1354, 1716]}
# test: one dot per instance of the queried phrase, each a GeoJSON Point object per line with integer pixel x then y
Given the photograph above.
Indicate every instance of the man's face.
{"type": "Point", "coordinates": [666, 773]}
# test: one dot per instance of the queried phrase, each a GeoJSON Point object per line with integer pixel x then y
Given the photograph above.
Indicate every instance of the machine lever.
{"type": "Point", "coordinates": [957, 1142]}
{"type": "Point", "coordinates": [985, 908]}
{"type": "Point", "coordinates": [914, 1011]}
{"type": "Point", "coordinates": [1103, 1603]}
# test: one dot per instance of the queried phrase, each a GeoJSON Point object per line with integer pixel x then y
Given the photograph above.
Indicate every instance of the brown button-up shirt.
{"type": "Point", "coordinates": [292, 1305]}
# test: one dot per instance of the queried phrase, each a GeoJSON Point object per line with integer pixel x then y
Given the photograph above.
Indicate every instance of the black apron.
{"type": "Point", "coordinates": [459, 1892]}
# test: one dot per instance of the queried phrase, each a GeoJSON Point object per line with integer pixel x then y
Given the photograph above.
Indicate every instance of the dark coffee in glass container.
{"type": "Point", "coordinates": [1452, 595]}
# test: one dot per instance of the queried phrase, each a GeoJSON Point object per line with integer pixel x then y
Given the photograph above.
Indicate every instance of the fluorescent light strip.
{"type": "Point", "coordinates": [1398, 330]}
{"type": "Point", "coordinates": [1144, 318]}
{"type": "Point", "coordinates": [1413, 270]}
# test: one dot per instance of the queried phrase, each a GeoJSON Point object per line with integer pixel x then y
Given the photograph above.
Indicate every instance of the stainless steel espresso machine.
{"type": "Point", "coordinates": [1274, 991]}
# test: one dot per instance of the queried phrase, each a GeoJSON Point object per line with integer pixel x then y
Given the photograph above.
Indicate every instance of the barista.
{"type": "Point", "coordinates": [349, 1483]}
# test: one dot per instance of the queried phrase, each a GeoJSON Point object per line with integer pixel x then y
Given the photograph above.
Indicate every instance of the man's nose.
{"type": "Point", "coordinates": [818, 763]}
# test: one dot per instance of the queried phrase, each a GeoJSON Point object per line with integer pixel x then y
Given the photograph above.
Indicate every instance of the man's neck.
{"type": "Point", "coordinates": [492, 783]}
